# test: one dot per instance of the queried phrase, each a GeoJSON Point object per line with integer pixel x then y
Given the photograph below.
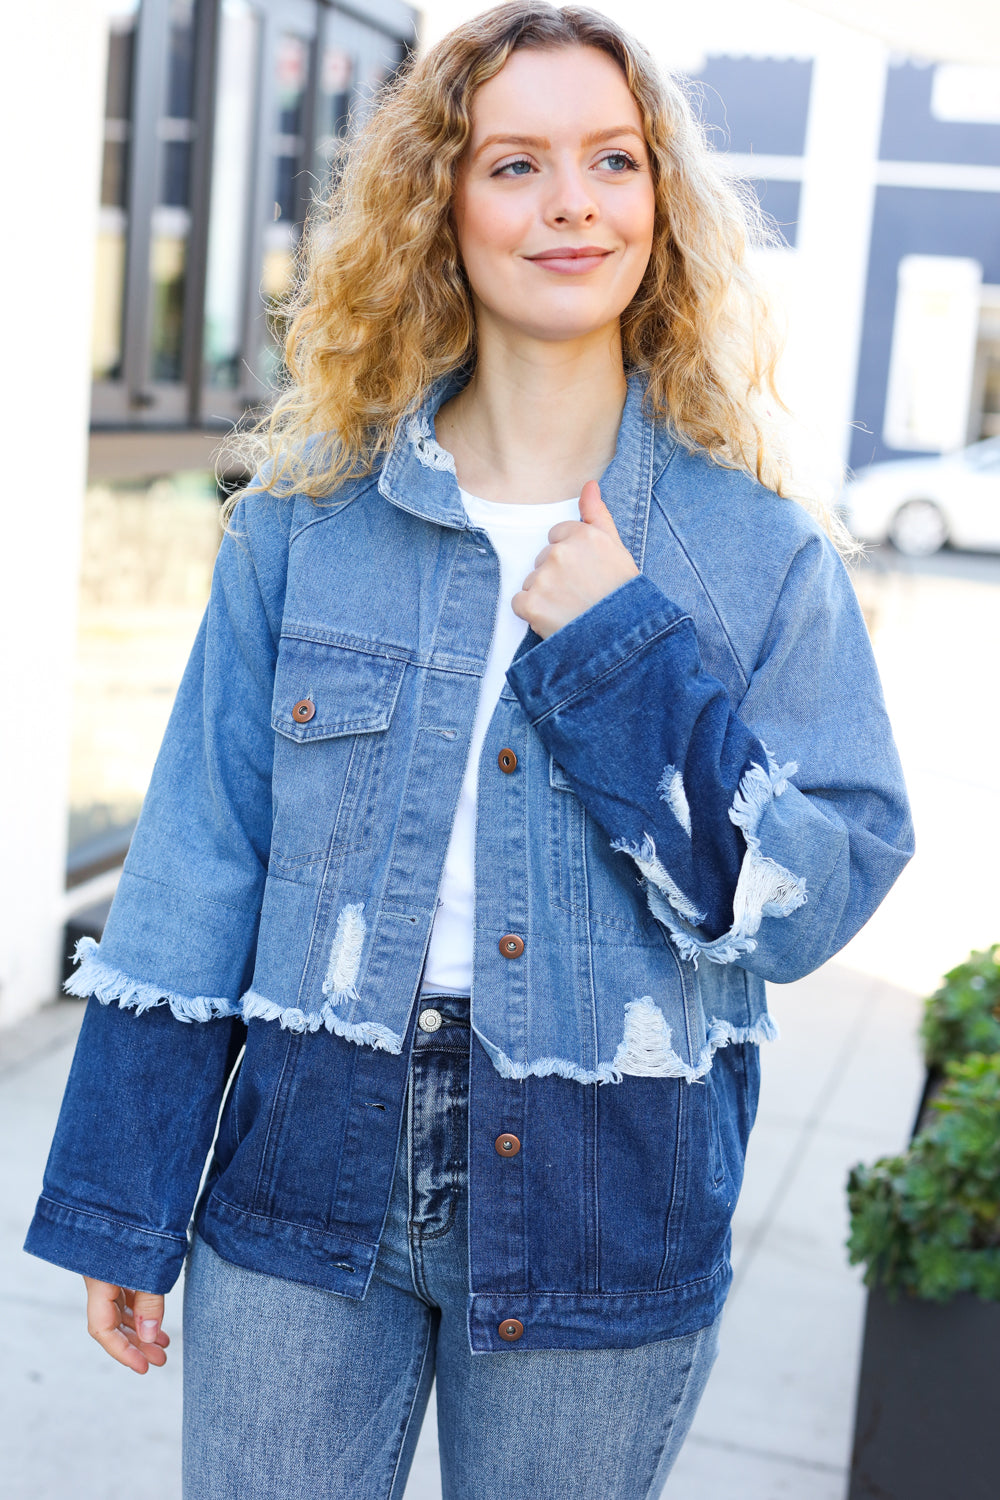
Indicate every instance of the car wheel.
{"type": "Point", "coordinates": [918, 529]}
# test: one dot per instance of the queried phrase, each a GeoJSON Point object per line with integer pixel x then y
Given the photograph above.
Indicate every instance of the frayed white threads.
{"type": "Point", "coordinates": [426, 446]}
{"type": "Point", "coordinates": [646, 1050]}
{"type": "Point", "coordinates": [764, 888]}
{"type": "Point", "coordinates": [646, 858]}
{"type": "Point", "coordinates": [345, 954]}
{"type": "Point", "coordinates": [671, 790]}
{"type": "Point", "coordinates": [256, 1007]}
{"type": "Point", "coordinates": [106, 984]}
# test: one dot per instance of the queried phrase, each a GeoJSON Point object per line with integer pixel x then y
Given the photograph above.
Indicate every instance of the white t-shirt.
{"type": "Point", "coordinates": [518, 534]}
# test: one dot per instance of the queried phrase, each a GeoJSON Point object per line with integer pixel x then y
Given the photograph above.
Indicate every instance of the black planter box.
{"type": "Point", "coordinates": [928, 1417]}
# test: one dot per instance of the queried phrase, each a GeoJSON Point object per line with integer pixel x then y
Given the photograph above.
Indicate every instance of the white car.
{"type": "Point", "coordinates": [918, 504]}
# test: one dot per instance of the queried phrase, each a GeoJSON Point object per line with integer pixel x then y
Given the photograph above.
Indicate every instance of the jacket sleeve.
{"type": "Point", "coordinates": [744, 858]}
{"type": "Point", "coordinates": [142, 1101]}
{"type": "Point", "coordinates": [135, 1128]}
{"type": "Point", "coordinates": [183, 925]}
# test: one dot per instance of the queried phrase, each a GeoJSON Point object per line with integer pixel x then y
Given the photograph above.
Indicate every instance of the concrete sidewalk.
{"type": "Point", "coordinates": [776, 1421]}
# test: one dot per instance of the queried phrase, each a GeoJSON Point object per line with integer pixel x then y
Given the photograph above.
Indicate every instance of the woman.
{"type": "Point", "coordinates": [448, 732]}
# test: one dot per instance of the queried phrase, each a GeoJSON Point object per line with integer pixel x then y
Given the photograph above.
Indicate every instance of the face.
{"type": "Point", "coordinates": [554, 200]}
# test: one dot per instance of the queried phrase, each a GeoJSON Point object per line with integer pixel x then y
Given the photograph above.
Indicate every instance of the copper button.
{"type": "Point", "coordinates": [303, 711]}
{"type": "Point", "coordinates": [507, 1145]}
{"type": "Point", "coordinates": [511, 946]}
{"type": "Point", "coordinates": [507, 761]}
{"type": "Point", "coordinates": [511, 1329]}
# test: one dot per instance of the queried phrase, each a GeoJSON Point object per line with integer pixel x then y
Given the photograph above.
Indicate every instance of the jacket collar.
{"type": "Point", "coordinates": [419, 475]}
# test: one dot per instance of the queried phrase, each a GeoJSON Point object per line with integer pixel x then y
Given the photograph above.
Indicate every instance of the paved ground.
{"type": "Point", "coordinates": [776, 1420]}
{"type": "Point", "coordinates": [841, 1085]}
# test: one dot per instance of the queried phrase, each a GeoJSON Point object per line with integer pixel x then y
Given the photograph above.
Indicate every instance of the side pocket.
{"type": "Point", "coordinates": [715, 1130]}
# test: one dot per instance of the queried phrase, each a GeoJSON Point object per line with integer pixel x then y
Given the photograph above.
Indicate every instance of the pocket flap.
{"type": "Point", "coordinates": [558, 777]}
{"type": "Point", "coordinates": [350, 691]}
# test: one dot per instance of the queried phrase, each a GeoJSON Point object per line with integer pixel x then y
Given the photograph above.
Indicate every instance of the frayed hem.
{"type": "Point", "coordinates": [764, 888]}
{"type": "Point", "coordinates": [645, 1051]}
{"type": "Point", "coordinates": [106, 984]}
{"type": "Point", "coordinates": [645, 856]}
{"type": "Point", "coordinates": [254, 1007]}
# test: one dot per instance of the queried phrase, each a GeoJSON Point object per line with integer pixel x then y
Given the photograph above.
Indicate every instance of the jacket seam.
{"type": "Point", "coordinates": [705, 590]}
{"type": "Point", "coordinates": [244, 911]}
{"type": "Point", "coordinates": [616, 666]}
{"type": "Point", "coordinates": [89, 1213]}
{"type": "Point", "coordinates": [253, 1213]}
{"type": "Point", "coordinates": [335, 508]}
{"type": "Point", "coordinates": [664, 1291]}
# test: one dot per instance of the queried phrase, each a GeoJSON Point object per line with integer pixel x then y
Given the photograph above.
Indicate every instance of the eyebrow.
{"type": "Point", "coordinates": [594, 138]}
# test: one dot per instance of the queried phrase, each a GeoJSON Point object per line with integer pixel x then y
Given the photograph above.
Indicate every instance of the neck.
{"type": "Point", "coordinates": [537, 419]}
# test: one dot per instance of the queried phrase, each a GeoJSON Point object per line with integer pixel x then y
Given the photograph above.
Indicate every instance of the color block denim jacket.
{"type": "Point", "coordinates": [706, 796]}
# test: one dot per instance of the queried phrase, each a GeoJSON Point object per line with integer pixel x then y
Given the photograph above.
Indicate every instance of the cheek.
{"type": "Point", "coordinates": [639, 218]}
{"type": "Point", "coordinates": [486, 226]}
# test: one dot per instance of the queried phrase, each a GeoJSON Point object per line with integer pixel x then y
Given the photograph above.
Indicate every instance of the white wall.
{"type": "Point", "coordinates": [51, 107]}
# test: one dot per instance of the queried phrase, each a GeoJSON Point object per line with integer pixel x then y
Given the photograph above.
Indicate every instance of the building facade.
{"type": "Point", "coordinates": [192, 136]}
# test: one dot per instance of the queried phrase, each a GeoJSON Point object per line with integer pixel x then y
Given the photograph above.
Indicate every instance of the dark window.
{"type": "Point", "coordinates": [758, 104]}
{"type": "Point", "coordinates": [222, 118]}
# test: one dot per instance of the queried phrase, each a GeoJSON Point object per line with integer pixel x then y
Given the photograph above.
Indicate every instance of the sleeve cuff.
{"type": "Point", "coordinates": [109, 1250]}
{"type": "Point", "coordinates": [589, 647]}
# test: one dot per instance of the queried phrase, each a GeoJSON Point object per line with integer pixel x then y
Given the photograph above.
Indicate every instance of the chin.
{"type": "Point", "coordinates": [555, 329]}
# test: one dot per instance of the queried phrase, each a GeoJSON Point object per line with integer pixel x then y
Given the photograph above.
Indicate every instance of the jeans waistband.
{"type": "Point", "coordinates": [452, 1009]}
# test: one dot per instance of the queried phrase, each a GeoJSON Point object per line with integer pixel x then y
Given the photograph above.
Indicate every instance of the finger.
{"type": "Point", "coordinates": [563, 530]}
{"type": "Point", "coordinates": [162, 1338]}
{"type": "Point", "coordinates": [545, 552]}
{"type": "Point", "coordinates": [154, 1353]}
{"type": "Point", "coordinates": [147, 1308]}
{"type": "Point", "coordinates": [520, 605]}
{"type": "Point", "coordinates": [594, 511]}
{"type": "Point", "coordinates": [105, 1308]}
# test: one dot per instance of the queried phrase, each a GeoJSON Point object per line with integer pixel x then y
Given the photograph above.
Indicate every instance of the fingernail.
{"type": "Point", "coordinates": [147, 1330]}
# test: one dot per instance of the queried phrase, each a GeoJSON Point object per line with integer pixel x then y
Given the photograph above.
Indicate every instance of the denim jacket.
{"type": "Point", "coordinates": [699, 791]}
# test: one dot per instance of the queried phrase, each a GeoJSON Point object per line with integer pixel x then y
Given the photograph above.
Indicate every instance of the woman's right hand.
{"type": "Point", "coordinates": [127, 1324]}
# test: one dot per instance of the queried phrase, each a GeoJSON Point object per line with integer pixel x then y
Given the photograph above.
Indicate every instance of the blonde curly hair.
{"type": "Point", "coordinates": [382, 307]}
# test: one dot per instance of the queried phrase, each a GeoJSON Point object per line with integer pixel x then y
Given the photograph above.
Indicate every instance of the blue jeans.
{"type": "Point", "coordinates": [294, 1393]}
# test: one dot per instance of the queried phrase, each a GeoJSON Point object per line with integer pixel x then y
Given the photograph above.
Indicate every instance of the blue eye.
{"type": "Point", "coordinates": [624, 161]}
{"type": "Point", "coordinates": [507, 168]}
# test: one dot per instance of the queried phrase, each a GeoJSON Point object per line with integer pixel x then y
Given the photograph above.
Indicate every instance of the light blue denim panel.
{"type": "Point", "coordinates": [706, 777]}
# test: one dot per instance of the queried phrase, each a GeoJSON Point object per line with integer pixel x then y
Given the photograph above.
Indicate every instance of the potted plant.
{"type": "Point", "coordinates": [926, 1226]}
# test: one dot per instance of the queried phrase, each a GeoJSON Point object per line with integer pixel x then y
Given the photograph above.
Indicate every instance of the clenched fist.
{"type": "Point", "coordinates": [584, 561]}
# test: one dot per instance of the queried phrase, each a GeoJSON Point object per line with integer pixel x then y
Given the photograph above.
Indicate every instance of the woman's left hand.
{"type": "Point", "coordinates": [584, 561]}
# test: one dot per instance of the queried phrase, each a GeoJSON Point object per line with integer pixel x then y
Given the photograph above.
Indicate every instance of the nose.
{"type": "Point", "coordinates": [570, 200]}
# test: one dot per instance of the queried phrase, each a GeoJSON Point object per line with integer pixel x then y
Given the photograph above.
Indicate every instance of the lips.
{"type": "Point", "coordinates": [571, 260]}
{"type": "Point", "coordinates": [571, 252]}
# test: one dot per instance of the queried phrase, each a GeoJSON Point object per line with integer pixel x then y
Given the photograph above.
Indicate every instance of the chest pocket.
{"type": "Point", "coordinates": [331, 711]}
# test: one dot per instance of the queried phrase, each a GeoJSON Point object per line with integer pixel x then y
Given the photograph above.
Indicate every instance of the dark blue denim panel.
{"type": "Point", "coordinates": [618, 1188]}
{"type": "Point", "coordinates": [130, 1144]}
{"type": "Point", "coordinates": [300, 1179]}
{"type": "Point", "coordinates": [591, 691]}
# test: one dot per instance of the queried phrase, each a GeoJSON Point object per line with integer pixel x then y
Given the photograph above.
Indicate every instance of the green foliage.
{"type": "Point", "coordinates": [964, 1014]}
{"type": "Point", "coordinates": [928, 1222]}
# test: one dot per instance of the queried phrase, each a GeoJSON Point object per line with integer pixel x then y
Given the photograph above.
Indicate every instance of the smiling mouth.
{"type": "Point", "coordinates": [571, 260]}
{"type": "Point", "coordinates": [571, 252]}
